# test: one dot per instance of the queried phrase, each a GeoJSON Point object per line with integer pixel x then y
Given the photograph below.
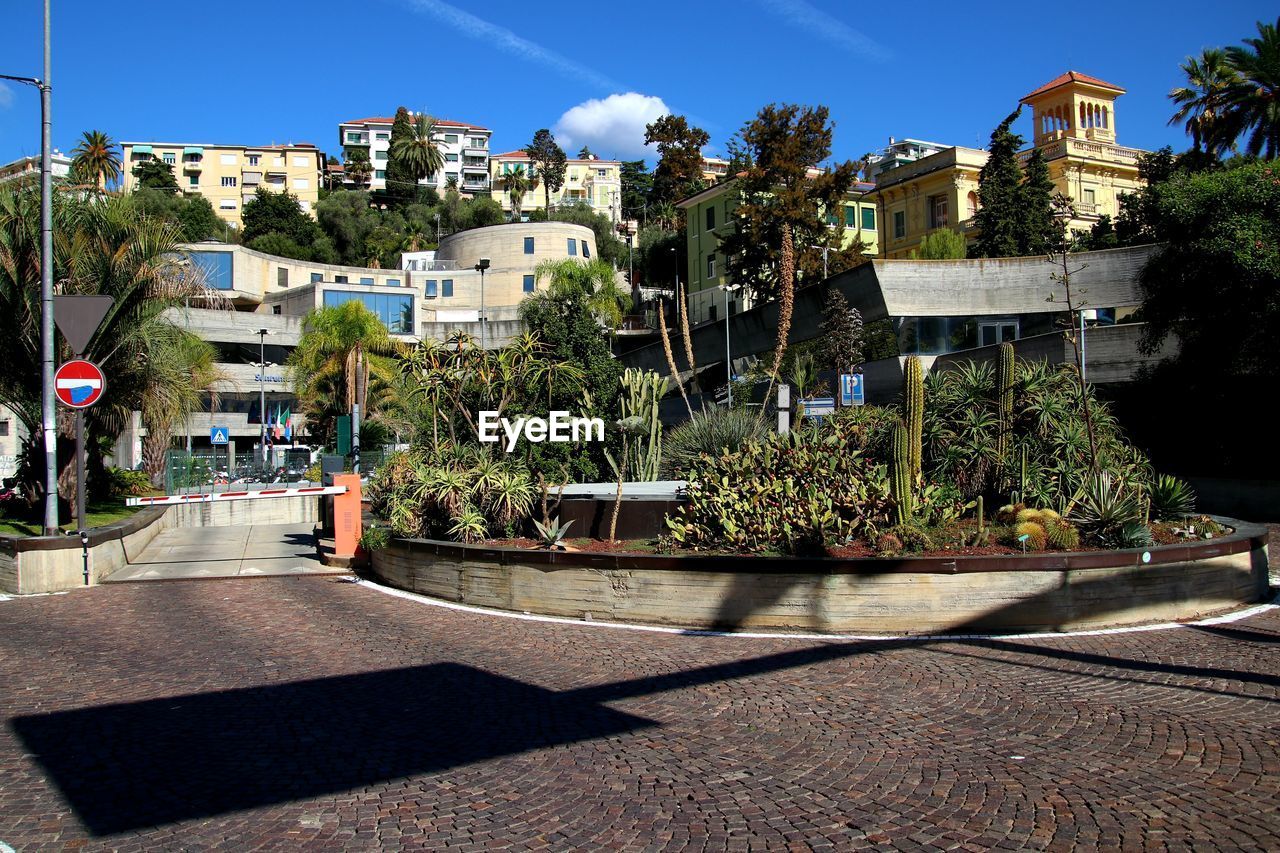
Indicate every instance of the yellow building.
{"type": "Point", "coordinates": [229, 175]}
{"type": "Point", "coordinates": [593, 182]}
{"type": "Point", "coordinates": [1074, 128]}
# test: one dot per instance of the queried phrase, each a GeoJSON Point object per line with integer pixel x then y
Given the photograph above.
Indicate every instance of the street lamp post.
{"type": "Point", "coordinates": [484, 337]}
{"type": "Point", "coordinates": [825, 251]}
{"type": "Point", "coordinates": [262, 393]}
{"type": "Point", "coordinates": [48, 406]}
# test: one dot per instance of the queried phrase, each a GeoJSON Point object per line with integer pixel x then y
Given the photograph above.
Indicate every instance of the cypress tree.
{"type": "Point", "coordinates": [999, 191]}
{"type": "Point", "coordinates": [1039, 230]}
{"type": "Point", "coordinates": [401, 183]}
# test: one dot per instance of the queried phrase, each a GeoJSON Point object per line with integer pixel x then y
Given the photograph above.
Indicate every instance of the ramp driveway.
{"type": "Point", "coordinates": [227, 552]}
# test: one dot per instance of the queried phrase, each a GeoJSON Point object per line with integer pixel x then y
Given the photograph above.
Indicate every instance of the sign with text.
{"type": "Point", "coordinates": [816, 407]}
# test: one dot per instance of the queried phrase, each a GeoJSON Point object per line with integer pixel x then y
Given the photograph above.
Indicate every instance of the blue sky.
{"type": "Point", "coordinates": [944, 72]}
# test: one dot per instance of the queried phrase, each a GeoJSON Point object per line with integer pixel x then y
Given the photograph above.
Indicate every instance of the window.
{"type": "Point", "coordinates": [586, 250]}
{"type": "Point", "coordinates": [938, 211]}
{"type": "Point", "coordinates": [193, 180]}
{"type": "Point", "coordinates": [282, 276]}
{"type": "Point", "coordinates": [227, 159]}
{"type": "Point", "coordinates": [573, 248]}
{"type": "Point", "coordinates": [528, 245]}
{"type": "Point", "coordinates": [253, 159]}
{"type": "Point", "coordinates": [395, 310]}
{"type": "Point", "coordinates": [379, 155]}
{"type": "Point", "coordinates": [383, 137]}
{"type": "Point", "coordinates": [711, 218]}
{"type": "Point", "coordinates": [711, 266]}
{"type": "Point", "coordinates": [446, 287]}
{"type": "Point", "coordinates": [366, 279]}
{"type": "Point", "coordinates": [868, 219]}
{"type": "Point", "coordinates": [899, 224]}
{"type": "Point", "coordinates": [971, 204]}
{"type": "Point", "coordinates": [229, 182]}
{"type": "Point", "coordinates": [1090, 197]}
{"type": "Point", "coordinates": [850, 216]}
{"type": "Point", "coordinates": [217, 268]}
{"type": "Point", "coordinates": [451, 158]}
{"type": "Point", "coordinates": [4, 428]}
{"type": "Point", "coordinates": [451, 138]}
{"type": "Point", "coordinates": [170, 157]}
{"type": "Point", "coordinates": [316, 276]}
{"type": "Point", "coordinates": [990, 334]}
{"type": "Point", "coordinates": [353, 136]}
{"type": "Point", "coordinates": [475, 142]}
{"type": "Point", "coordinates": [339, 279]}
{"type": "Point", "coordinates": [227, 204]}
{"type": "Point", "coordinates": [393, 282]}
{"type": "Point", "coordinates": [431, 289]}
{"type": "Point", "coordinates": [275, 309]}
{"type": "Point", "coordinates": [528, 284]}
{"type": "Point", "coordinates": [301, 162]}
{"type": "Point", "coordinates": [299, 183]}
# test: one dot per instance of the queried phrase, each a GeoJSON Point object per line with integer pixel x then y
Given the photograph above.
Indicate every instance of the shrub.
{"type": "Point", "coordinates": [1171, 498]}
{"type": "Point", "coordinates": [126, 483]}
{"type": "Point", "coordinates": [374, 538]}
{"type": "Point", "coordinates": [712, 432]}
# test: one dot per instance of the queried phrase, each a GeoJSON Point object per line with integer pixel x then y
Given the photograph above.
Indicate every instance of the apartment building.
{"type": "Point", "coordinates": [230, 175]}
{"type": "Point", "coordinates": [1074, 128]}
{"type": "Point", "coordinates": [900, 152]}
{"type": "Point", "coordinates": [592, 182]}
{"type": "Point", "coordinates": [27, 169]}
{"type": "Point", "coordinates": [465, 148]}
{"type": "Point", "coordinates": [711, 214]}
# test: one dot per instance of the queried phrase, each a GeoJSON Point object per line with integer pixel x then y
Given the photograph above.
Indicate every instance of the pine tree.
{"type": "Point", "coordinates": [401, 183]}
{"type": "Point", "coordinates": [549, 159]}
{"type": "Point", "coordinates": [999, 192]}
{"type": "Point", "coordinates": [1038, 231]}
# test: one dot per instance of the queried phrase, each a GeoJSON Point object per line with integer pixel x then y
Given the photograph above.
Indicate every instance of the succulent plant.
{"type": "Point", "coordinates": [552, 533]}
{"type": "Point", "coordinates": [1171, 498]}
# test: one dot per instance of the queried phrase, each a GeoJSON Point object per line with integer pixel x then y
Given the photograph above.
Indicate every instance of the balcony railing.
{"type": "Point", "coordinates": [192, 166]}
{"type": "Point", "coordinates": [251, 177]}
{"type": "Point", "coordinates": [433, 266]}
{"type": "Point", "coordinates": [474, 151]}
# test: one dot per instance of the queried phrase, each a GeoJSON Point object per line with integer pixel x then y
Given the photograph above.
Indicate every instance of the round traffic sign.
{"type": "Point", "coordinates": [78, 384]}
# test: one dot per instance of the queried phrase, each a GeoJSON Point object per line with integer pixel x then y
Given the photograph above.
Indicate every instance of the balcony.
{"type": "Point", "coordinates": [482, 168]}
{"type": "Point", "coordinates": [192, 166]}
{"type": "Point", "coordinates": [475, 186]}
{"type": "Point", "coordinates": [250, 178]}
{"type": "Point", "coordinates": [474, 151]}
{"type": "Point", "coordinates": [357, 140]}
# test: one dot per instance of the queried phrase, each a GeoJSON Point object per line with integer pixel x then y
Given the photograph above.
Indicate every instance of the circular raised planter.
{"type": "Point", "coordinates": [876, 595]}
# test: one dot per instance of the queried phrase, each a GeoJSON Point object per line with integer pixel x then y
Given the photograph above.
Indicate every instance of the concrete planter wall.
{"type": "Point", "coordinates": [43, 564]}
{"type": "Point", "coordinates": [1043, 592]}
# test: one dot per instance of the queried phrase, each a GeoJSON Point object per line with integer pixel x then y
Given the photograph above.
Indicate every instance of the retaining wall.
{"type": "Point", "coordinates": [1044, 592]}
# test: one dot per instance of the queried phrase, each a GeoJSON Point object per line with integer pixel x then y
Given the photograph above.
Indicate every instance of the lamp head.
{"type": "Point", "coordinates": [483, 265]}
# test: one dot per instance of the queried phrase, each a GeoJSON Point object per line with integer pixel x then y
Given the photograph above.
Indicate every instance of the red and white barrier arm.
{"type": "Point", "coordinates": [298, 492]}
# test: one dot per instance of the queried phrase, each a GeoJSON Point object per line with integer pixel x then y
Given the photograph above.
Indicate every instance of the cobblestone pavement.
{"type": "Point", "coordinates": [309, 711]}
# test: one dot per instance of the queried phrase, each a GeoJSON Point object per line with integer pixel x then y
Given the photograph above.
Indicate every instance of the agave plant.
{"type": "Point", "coordinates": [1104, 504]}
{"type": "Point", "coordinates": [1171, 497]}
{"type": "Point", "coordinates": [509, 496]}
{"type": "Point", "coordinates": [469, 525]}
{"type": "Point", "coordinates": [711, 432]}
{"type": "Point", "coordinates": [552, 533]}
{"type": "Point", "coordinates": [1134, 534]}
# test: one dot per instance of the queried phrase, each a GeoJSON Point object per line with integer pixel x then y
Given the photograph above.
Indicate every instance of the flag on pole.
{"type": "Point", "coordinates": [288, 424]}
{"type": "Point", "coordinates": [279, 424]}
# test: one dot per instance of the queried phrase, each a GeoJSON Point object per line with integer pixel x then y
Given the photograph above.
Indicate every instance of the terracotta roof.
{"type": "Point", "coordinates": [1072, 77]}
{"type": "Point", "coordinates": [391, 120]}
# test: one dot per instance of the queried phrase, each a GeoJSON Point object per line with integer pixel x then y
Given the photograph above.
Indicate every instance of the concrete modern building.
{"type": "Point", "coordinates": [947, 311]}
{"type": "Point", "coordinates": [1074, 128]}
{"type": "Point", "coordinates": [465, 147]}
{"type": "Point", "coordinates": [592, 182]}
{"type": "Point", "coordinates": [230, 175]}
{"type": "Point", "coordinates": [900, 152]}
{"type": "Point", "coordinates": [27, 169]}
{"type": "Point", "coordinates": [710, 215]}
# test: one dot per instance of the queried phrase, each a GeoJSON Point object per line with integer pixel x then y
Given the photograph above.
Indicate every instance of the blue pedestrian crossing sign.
{"type": "Point", "coordinates": [851, 389]}
{"type": "Point", "coordinates": [218, 435]}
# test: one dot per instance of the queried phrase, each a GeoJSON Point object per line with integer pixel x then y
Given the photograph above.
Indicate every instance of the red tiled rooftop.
{"type": "Point", "coordinates": [1072, 77]}
{"type": "Point", "coordinates": [391, 120]}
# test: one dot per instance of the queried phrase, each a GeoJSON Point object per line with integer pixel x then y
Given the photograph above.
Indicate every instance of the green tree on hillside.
{"type": "Point", "coordinates": [276, 224]}
{"type": "Point", "coordinates": [549, 160]}
{"type": "Point", "coordinates": [417, 152]}
{"type": "Point", "coordinates": [999, 194]}
{"type": "Point", "coordinates": [156, 175]}
{"type": "Point", "coordinates": [357, 168]}
{"type": "Point", "coordinates": [96, 160]}
{"type": "Point", "coordinates": [679, 171]}
{"type": "Point", "coordinates": [943, 244]}
{"type": "Point", "coordinates": [637, 183]}
{"type": "Point", "coordinates": [1037, 230]}
{"type": "Point", "coordinates": [401, 180]}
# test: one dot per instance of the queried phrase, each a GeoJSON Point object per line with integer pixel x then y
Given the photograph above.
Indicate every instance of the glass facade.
{"type": "Point", "coordinates": [395, 310]}
{"type": "Point", "coordinates": [218, 269]}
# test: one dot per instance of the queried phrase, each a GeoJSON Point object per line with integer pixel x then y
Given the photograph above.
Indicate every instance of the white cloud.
{"type": "Point", "coordinates": [508, 42]}
{"type": "Point", "coordinates": [819, 24]}
{"type": "Point", "coordinates": [612, 126]}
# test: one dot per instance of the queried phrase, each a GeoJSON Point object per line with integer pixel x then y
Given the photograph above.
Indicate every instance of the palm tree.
{"type": "Point", "coordinates": [595, 281]}
{"type": "Point", "coordinates": [96, 160]}
{"type": "Point", "coordinates": [1200, 103]}
{"type": "Point", "coordinates": [188, 367]}
{"type": "Point", "coordinates": [1253, 99]}
{"type": "Point", "coordinates": [517, 182]}
{"type": "Point", "coordinates": [345, 355]}
{"type": "Point", "coordinates": [104, 247]}
{"type": "Point", "coordinates": [419, 152]}
{"type": "Point", "coordinates": [358, 169]}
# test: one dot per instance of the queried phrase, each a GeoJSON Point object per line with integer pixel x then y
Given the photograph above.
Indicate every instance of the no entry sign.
{"type": "Point", "coordinates": [78, 384]}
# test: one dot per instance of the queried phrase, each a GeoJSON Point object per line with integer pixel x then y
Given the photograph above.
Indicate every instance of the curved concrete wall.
{"type": "Point", "coordinates": [870, 596]}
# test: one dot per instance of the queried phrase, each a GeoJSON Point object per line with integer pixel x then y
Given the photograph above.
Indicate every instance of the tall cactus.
{"type": "Point", "coordinates": [900, 478]}
{"type": "Point", "coordinates": [641, 391]}
{"type": "Point", "coordinates": [913, 395]}
{"type": "Point", "coordinates": [1004, 387]}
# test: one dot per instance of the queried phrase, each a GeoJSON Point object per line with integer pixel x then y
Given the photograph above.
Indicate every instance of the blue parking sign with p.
{"type": "Point", "coordinates": [851, 389]}
{"type": "Point", "coordinates": [218, 435]}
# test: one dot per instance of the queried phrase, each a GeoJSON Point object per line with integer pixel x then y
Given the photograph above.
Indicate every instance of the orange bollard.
{"type": "Point", "coordinates": [346, 516]}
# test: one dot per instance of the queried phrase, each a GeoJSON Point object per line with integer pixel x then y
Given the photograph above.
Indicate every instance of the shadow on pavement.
{"type": "Point", "coordinates": [131, 766]}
